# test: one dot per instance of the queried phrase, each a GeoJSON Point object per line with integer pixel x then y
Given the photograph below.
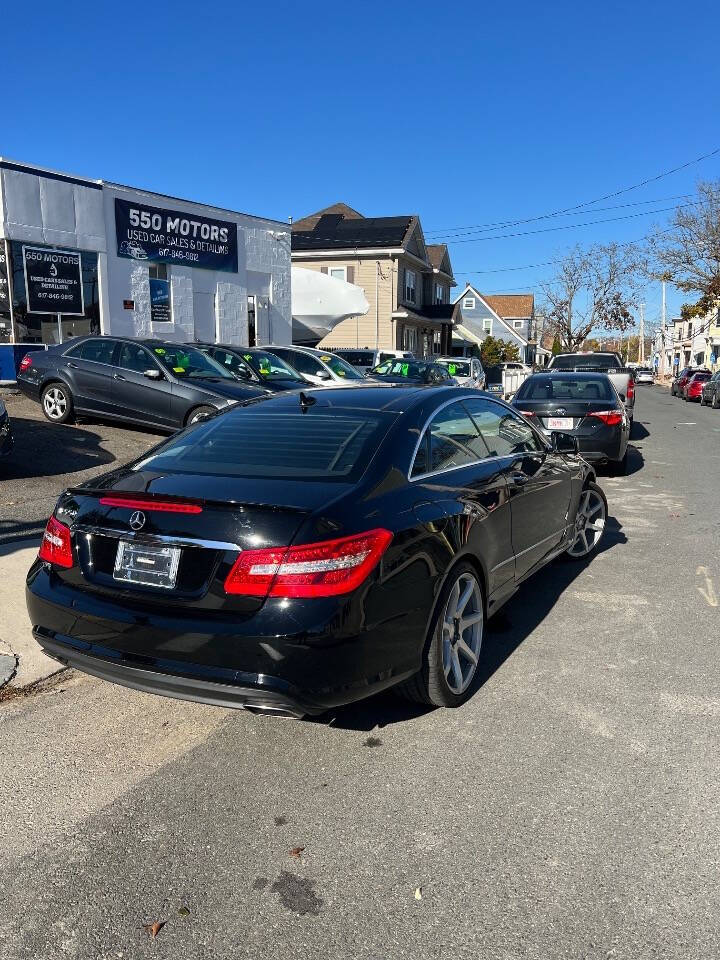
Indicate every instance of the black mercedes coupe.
{"type": "Point", "coordinates": [306, 550]}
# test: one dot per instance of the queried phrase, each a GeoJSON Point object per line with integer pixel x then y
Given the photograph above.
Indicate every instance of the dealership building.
{"type": "Point", "coordinates": [81, 256]}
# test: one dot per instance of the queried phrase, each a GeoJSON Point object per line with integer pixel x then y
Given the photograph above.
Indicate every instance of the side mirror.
{"type": "Point", "coordinates": [152, 374]}
{"type": "Point", "coordinates": [323, 375]}
{"type": "Point", "coordinates": [564, 442]}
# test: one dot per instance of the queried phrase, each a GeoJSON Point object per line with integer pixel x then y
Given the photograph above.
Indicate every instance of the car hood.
{"type": "Point", "coordinates": [231, 389]}
{"type": "Point", "coordinates": [276, 385]}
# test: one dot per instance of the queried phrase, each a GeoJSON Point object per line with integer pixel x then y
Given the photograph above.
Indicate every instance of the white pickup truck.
{"type": "Point", "coordinates": [623, 378]}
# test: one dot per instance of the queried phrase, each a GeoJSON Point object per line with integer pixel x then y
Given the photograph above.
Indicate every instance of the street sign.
{"type": "Point", "coordinates": [53, 281]}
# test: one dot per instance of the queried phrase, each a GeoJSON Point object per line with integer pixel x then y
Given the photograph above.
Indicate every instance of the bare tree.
{"type": "Point", "coordinates": [593, 289]}
{"type": "Point", "coordinates": [688, 253]}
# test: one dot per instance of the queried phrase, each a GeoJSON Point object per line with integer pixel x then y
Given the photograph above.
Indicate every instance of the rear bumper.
{"type": "Point", "coordinates": [327, 658]}
{"type": "Point", "coordinates": [28, 387]}
{"type": "Point", "coordinates": [603, 446]}
{"type": "Point", "coordinates": [254, 692]}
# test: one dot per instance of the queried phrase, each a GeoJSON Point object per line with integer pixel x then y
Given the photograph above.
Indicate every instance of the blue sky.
{"type": "Point", "coordinates": [461, 112]}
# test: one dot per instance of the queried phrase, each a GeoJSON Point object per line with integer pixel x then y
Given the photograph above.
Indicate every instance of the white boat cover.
{"type": "Point", "coordinates": [320, 302]}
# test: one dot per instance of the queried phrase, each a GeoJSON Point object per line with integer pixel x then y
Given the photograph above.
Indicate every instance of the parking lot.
{"type": "Point", "coordinates": [569, 809]}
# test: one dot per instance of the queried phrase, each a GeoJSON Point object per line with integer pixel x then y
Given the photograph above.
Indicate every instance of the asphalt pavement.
{"type": "Point", "coordinates": [569, 810]}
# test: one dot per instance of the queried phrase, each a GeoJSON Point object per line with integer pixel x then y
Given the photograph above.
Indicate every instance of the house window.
{"type": "Point", "coordinates": [487, 326]}
{"type": "Point", "coordinates": [439, 293]}
{"type": "Point", "coordinates": [338, 272]}
{"type": "Point", "coordinates": [437, 340]}
{"type": "Point", "coordinates": [410, 280]}
{"type": "Point", "coordinates": [469, 303]}
{"type": "Point", "coordinates": [158, 271]}
{"type": "Point", "coordinates": [517, 324]}
{"type": "Point", "coordinates": [409, 339]}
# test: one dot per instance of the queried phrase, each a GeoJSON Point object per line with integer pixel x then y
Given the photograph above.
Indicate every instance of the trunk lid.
{"type": "Point", "coordinates": [574, 412]}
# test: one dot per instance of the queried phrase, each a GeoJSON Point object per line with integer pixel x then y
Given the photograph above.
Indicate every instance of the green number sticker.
{"type": "Point", "coordinates": [178, 369]}
{"type": "Point", "coordinates": [325, 359]}
{"type": "Point", "coordinates": [404, 369]}
{"type": "Point", "coordinates": [248, 357]}
{"type": "Point", "coordinates": [451, 368]}
{"type": "Point", "coordinates": [159, 350]}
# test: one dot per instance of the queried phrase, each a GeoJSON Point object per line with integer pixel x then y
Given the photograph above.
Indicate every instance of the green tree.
{"type": "Point", "coordinates": [491, 352]}
{"type": "Point", "coordinates": [510, 351]}
{"type": "Point", "coordinates": [556, 346]}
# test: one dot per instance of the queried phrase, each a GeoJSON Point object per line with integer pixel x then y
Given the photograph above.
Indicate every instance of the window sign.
{"type": "Point", "coordinates": [160, 301]}
{"type": "Point", "coordinates": [53, 281]}
{"type": "Point", "coordinates": [174, 236]}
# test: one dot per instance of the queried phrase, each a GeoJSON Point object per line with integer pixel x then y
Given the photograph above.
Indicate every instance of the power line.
{"type": "Point", "coordinates": [571, 226]}
{"type": "Point", "coordinates": [611, 196]}
{"type": "Point", "coordinates": [479, 227]}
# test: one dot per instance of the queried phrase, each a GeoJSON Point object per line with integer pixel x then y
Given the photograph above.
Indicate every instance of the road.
{"type": "Point", "coordinates": [49, 457]}
{"type": "Point", "coordinates": [569, 810]}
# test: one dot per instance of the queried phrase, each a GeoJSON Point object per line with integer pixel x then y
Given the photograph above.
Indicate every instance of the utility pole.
{"type": "Point", "coordinates": [662, 327]}
{"type": "Point", "coordinates": [641, 344]}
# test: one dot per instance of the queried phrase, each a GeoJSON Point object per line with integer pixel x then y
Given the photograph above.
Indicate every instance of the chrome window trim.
{"type": "Point", "coordinates": [462, 466]}
{"type": "Point", "coordinates": [158, 538]}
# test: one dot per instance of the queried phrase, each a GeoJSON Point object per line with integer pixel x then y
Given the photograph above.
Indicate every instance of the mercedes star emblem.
{"type": "Point", "coordinates": [137, 520]}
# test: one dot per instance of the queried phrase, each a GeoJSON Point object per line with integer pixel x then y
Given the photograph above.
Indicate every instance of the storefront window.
{"type": "Point", "coordinates": [251, 321]}
{"type": "Point", "coordinates": [43, 327]}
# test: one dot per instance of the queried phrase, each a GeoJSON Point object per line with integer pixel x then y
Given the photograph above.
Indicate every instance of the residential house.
{"type": "Point", "coordinates": [406, 281]}
{"type": "Point", "coordinates": [507, 316]}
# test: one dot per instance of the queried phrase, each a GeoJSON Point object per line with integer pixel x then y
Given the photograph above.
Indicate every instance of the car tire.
{"type": "Point", "coordinates": [702, 400]}
{"type": "Point", "coordinates": [197, 412]}
{"type": "Point", "coordinates": [593, 507]}
{"type": "Point", "coordinates": [714, 402]}
{"type": "Point", "coordinates": [57, 402]}
{"type": "Point", "coordinates": [448, 674]}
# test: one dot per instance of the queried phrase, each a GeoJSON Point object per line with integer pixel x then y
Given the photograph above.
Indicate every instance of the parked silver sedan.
{"type": "Point", "coordinates": [467, 371]}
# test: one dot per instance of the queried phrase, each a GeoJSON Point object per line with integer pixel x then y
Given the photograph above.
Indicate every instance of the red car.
{"type": "Point", "coordinates": [693, 388]}
{"type": "Point", "coordinates": [677, 387]}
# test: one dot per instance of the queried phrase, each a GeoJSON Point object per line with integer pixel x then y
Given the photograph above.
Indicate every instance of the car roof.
{"type": "Point", "coordinates": [574, 374]}
{"type": "Point", "coordinates": [397, 397]}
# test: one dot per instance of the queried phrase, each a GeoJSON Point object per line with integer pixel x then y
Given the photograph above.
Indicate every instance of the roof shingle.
{"type": "Point", "coordinates": [513, 306]}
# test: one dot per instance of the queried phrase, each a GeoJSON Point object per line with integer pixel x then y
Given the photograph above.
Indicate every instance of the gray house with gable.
{"type": "Point", "coordinates": [508, 317]}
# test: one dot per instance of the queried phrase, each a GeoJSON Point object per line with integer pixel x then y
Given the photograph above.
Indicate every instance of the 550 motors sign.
{"type": "Point", "coordinates": [53, 281]}
{"type": "Point", "coordinates": [173, 236]}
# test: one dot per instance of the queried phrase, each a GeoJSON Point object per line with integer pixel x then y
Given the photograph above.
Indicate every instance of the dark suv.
{"type": "Point", "coordinates": [152, 382]}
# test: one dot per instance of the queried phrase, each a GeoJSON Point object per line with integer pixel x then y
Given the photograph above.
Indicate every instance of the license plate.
{"type": "Point", "coordinates": [560, 423]}
{"type": "Point", "coordinates": [148, 564]}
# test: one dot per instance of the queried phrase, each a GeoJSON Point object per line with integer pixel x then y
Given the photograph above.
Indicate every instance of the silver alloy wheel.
{"type": "Point", "coordinates": [55, 403]}
{"type": "Point", "coordinates": [589, 523]}
{"type": "Point", "coordinates": [462, 632]}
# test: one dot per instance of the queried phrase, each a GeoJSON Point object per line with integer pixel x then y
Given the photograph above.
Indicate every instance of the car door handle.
{"type": "Point", "coordinates": [71, 364]}
{"type": "Point", "coordinates": [118, 376]}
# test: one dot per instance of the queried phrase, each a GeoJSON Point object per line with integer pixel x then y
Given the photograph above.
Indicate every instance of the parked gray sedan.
{"type": "Point", "coordinates": [151, 382]}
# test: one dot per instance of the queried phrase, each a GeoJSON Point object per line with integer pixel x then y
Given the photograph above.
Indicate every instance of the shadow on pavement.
{"type": "Point", "coordinates": [505, 632]}
{"type": "Point", "coordinates": [639, 431]}
{"type": "Point", "coordinates": [44, 449]}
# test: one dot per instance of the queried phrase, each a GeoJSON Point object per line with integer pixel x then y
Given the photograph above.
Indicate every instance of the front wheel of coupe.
{"type": "Point", "coordinates": [590, 522]}
{"type": "Point", "coordinates": [57, 403]}
{"type": "Point", "coordinates": [452, 648]}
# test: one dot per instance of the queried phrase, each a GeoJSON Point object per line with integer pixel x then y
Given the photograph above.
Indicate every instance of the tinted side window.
{"type": "Point", "coordinates": [505, 433]}
{"type": "Point", "coordinates": [98, 350]}
{"type": "Point", "coordinates": [135, 357]}
{"type": "Point", "coordinates": [232, 362]}
{"type": "Point", "coordinates": [454, 439]}
{"type": "Point", "coordinates": [302, 362]}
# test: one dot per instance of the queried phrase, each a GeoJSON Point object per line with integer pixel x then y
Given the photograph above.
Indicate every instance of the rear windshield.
{"type": "Point", "coordinates": [256, 443]}
{"type": "Point", "coordinates": [702, 376]}
{"type": "Point", "coordinates": [456, 368]}
{"type": "Point", "coordinates": [585, 361]}
{"type": "Point", "coordinates": [566, 388]}
{"type": "Point", "coordinates": [358, 358]}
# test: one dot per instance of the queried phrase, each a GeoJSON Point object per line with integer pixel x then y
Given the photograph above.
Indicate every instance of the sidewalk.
{"type": "Point", "coordinates": [22, 662]}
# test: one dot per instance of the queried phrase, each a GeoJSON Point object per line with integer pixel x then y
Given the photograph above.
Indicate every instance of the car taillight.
{"type": "Point", "coordinates": [610, 417]}
{"type": "Point", "coordinates": [56, 545]}
{"type": "Point", "coordinates": [25, 363]}
{"type": "Point", "coordinates": [630, 389]}
{"type": "Point", "coordinates": [323, 569]}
